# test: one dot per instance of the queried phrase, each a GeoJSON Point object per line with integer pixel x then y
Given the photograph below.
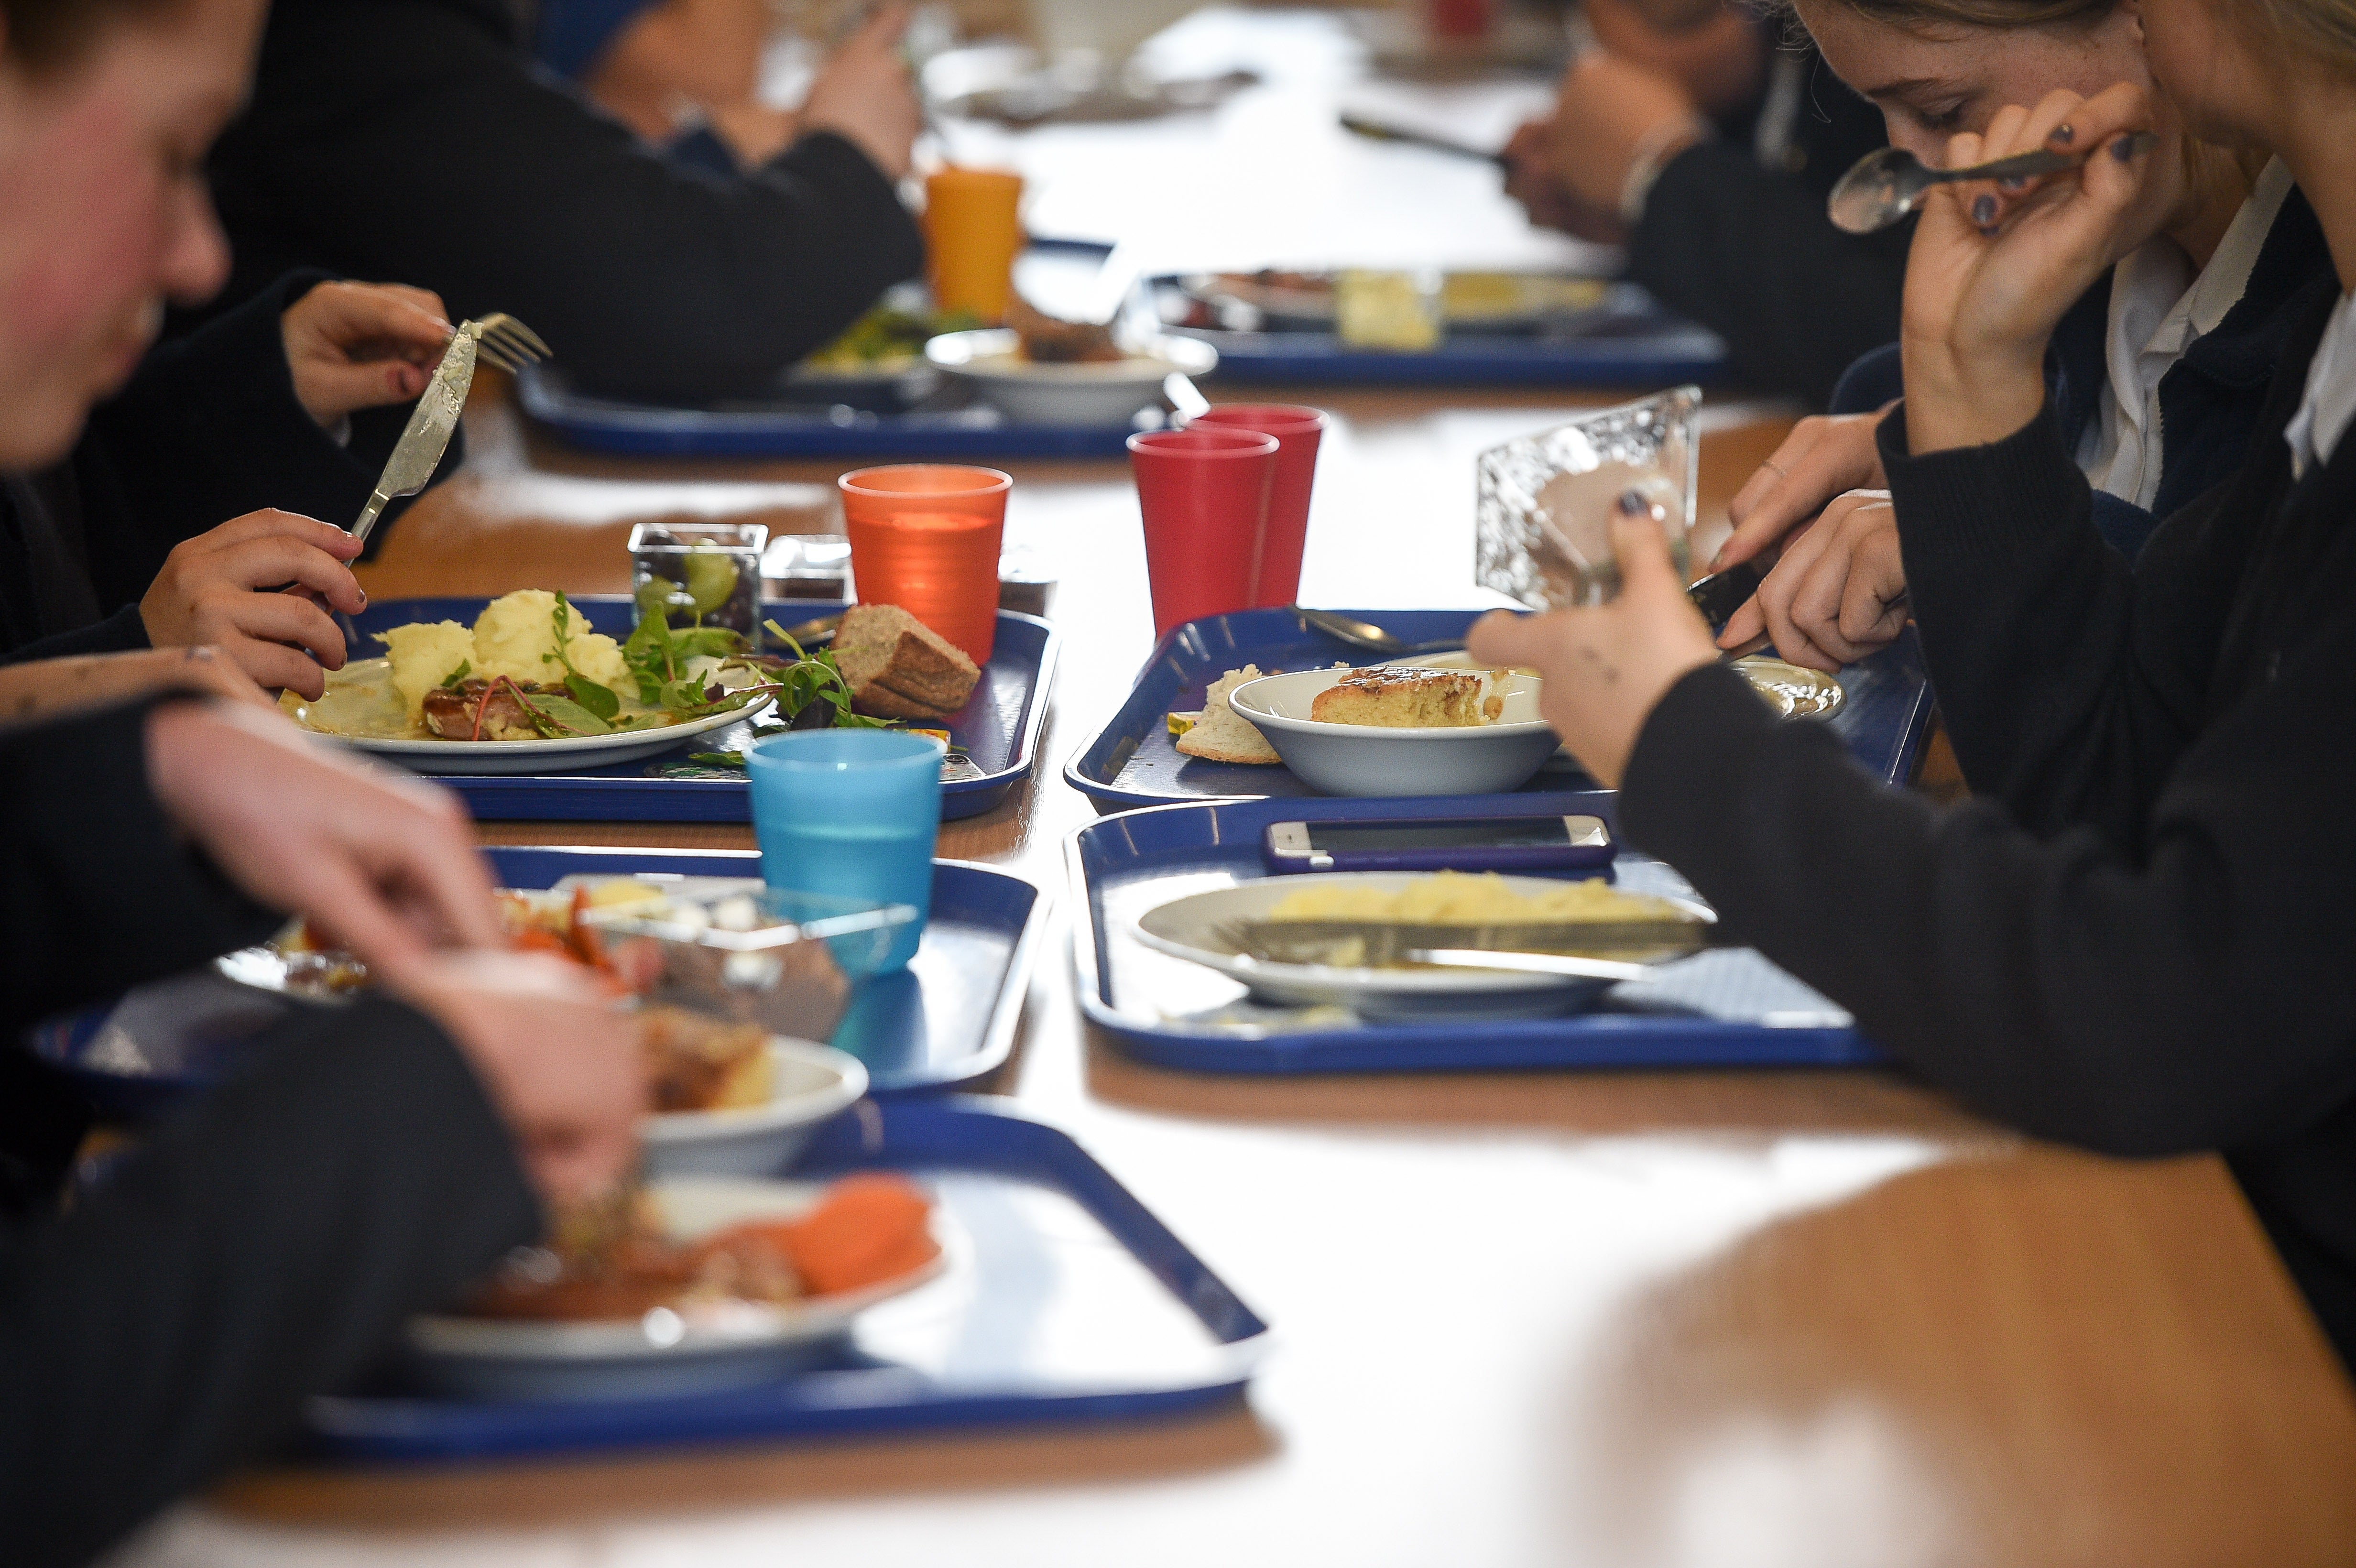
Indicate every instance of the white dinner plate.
{"type": "Point", "coordinates": [1109, 392]}
{"type": "Point", "coordinates": [573, 752]}
{"type": "Point", "coordinates": [720, 1345]}
{"type": "Point", "coordinates": [1189, 928]}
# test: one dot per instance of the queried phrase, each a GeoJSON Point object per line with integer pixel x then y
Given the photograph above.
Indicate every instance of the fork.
{"type": "Point", "coordinates": [505, 341]}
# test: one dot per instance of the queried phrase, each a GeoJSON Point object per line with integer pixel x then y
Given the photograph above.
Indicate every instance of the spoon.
{"type": "Point", "coordinates": [1883, 187]}
{"type": "Point", "coordinates": [1367, 635]}
{"type": "Point", "coordinates": [1185, 399]}
{"type": "Point", "coordinates": [1381, 131]}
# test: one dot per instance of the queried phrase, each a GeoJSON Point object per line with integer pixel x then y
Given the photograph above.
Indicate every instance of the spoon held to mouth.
{"type": "Point", "coordinates": [1884, 185]}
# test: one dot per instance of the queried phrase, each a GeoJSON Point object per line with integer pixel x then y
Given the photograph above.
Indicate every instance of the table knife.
{"type": "Point", "coordinates": [427, 436]}
{"type": "Point", "coordinates": [1722, 593]}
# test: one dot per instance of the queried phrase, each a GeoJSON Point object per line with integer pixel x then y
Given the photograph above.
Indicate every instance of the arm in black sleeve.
{"type": "Point", "coordinates": [97, 891]}
{"type": "Point", "coordinates": [1749, 254]}
{"type": "Point", "coordinates": [2068, 682]}
{"type": "Point", "coordinates": [122, 632]}
{"type": "Point", "coordinates": [264, 1250]}
{"type": "Point", "coordinates": [2200, 999]}
{"type": "Point", "coordinates": [406, 140]}
{"type": "Point", "coordinates": [209, 429]}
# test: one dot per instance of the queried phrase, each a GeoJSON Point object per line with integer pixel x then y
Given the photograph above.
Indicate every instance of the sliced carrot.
{"type": "Point", "coordinates": [584, 935]}
{"type": "Point", "coordinates": [538, 939]}
{"type": "Point", "coordinates": [865, 1229]}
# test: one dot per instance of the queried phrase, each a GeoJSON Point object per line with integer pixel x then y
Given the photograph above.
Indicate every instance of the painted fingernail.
{"type": "Point", "coordinates": [363, 598]}
{"type": "Point", "coordinates": [1984, 211]}
{"type": "Point", "coordinates": [1632, 503]}
{"type": "Point", "coordinates": [2124, 149]}
{"type": "Point", "coordinates": [2063, 134]}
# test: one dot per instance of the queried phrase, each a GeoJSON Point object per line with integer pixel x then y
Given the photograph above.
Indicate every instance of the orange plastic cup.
{"type": "Point", "coordinates": [973, 231]}
{"type": "Point", "coordinates": [925, 536]}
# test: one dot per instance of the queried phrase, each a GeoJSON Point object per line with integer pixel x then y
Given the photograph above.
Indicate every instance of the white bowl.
{"type": "Point", "coordinates": [1368, 759]}
{"type": "Point", "coordinates": [1110, 393]}
{"type": "Point", "coordinates": [809, 1083]}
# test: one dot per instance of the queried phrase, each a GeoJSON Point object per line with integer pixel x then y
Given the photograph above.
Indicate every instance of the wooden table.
{"type": "Point", "coordinates": [1699, 1318]}
{"type": "Point", "coordinates": [1628, 1319]}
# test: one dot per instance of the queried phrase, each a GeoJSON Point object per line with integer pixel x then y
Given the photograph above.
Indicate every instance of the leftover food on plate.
{"type": "Point", "coordinates": [1409, 697]}
{"type": "Point", "coordinates": [889, 337]}
{"type": "Point", "coordinates": [1462, 898]}
{"type": "Point", "coordinates": [696, 1063]}
{"type": "Point", "coordinates": [895, 666]}
{"type": "Point", "coordinates": [694, 1060]}
{"type": "Point", "coordinates": [1219, 734]}
{"type": "Point", "coordinates": [616, 1258]}
{"type": "Point", "coordinates": [1466, 299]}
{"type": "Point", "coordinates": [1385, 309]}
{"type": "Point", "coordinates": [528, 669]}
{"type": "Point", "coordinates": [1049, 340]}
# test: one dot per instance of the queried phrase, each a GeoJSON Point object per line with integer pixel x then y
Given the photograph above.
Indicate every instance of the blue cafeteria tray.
{"type": "Point", "coordinates": [998, 728]}
{"type": "Point", "coordinates": [948, 1019]}
{"type": "Point", "coordinates": [646, 429]}
{"type": "Point", "coordinates": [1648, 352]}
{"type": "Point", "coordinates": [1056, 1243]}
{"type": "Point", "coordinates": [1721, 1009]}
{"type": "Point", "coordinates": [1134, 760]}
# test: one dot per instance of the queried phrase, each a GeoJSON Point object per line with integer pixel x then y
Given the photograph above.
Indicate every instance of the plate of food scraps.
{"type": "Point", "coordinates": [685, 1285]}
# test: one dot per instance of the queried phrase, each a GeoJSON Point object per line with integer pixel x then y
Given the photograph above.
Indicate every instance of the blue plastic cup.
{"type": "Point", "coordinates": [851, 813]}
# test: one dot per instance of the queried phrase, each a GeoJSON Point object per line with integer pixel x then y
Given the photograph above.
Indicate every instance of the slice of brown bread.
{"type": "Point", "coordinates": [898, 668]}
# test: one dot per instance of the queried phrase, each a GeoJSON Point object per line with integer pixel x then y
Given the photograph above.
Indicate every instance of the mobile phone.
{"type": "Point", "coordinates": [1442, 844]}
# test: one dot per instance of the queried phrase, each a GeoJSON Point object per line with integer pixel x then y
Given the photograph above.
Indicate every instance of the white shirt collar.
{"type": "Point", "coordinates": [2330, 403]}
{"type": "Point", "coordinates": [2159, 308]}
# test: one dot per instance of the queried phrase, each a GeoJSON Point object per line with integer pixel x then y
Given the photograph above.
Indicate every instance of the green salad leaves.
{"type": "Point", "coordinates": [684, 673]}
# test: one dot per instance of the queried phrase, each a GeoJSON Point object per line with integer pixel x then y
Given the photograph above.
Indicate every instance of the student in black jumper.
{"type": "Point", "coordinates": [2155, 376]}
{"type": "Point", "coordinates": [418, 140]}
{"type": "Point", "coordinates": [1690, 137]}
{"type": "Point", "coordinates": [278, 418]}
{"type": "Point", "coordinates": [369, 1160]}
{"type": "Point", "coordinates": [2137, 935]}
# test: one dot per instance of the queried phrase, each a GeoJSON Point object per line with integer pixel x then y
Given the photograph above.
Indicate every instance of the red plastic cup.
{"type": "Point", "coordinates": [1204, 496]}
{"type": "Point", "coordinates": [925, 536]}
{"type": "Point", "coordinates": [1298, 429]}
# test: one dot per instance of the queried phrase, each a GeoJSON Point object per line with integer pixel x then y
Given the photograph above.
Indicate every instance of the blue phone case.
{"type": "Point", "coordinates": [1512, 860]}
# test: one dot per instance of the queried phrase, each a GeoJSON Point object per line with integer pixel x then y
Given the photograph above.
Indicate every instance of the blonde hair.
{"type": "Point", "coordinates": [1913, 15]}
{"type": "Point", "coordinates": [2328, 26]}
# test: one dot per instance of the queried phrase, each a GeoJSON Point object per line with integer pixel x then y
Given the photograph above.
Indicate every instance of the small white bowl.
{"type": "Point", "coordinates": [1108, 393]}
{"type": "Point", "coordinates": [810, 1083]}
{"type": "Point", "coordinates": [1368, 759]}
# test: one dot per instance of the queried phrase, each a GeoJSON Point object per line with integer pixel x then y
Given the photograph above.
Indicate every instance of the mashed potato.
{"type": "Point", "coordinates": [1454, 898]}
{"type": "Point", "coordinates": [424, 654]}
{"type": "Point", "coordinates": [515, 636]}
{"type": "Point", "coordinates": [600, 658]}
